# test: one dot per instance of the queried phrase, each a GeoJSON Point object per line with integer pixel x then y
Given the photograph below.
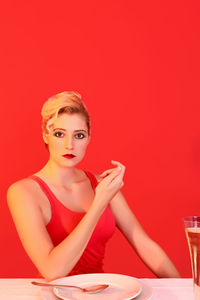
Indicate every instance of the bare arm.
{"type": "Point", "coordinates": [149, 251]}
{"type": "Point", "coordinates": [53, 262]}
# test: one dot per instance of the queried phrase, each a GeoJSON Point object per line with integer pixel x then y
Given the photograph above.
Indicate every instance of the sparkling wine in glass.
{"type": "Point", "coordinates": [192, 230]}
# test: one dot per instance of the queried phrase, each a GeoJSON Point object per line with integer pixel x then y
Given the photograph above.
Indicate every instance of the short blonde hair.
{"type": "Point", "coordinates": [65, 102]}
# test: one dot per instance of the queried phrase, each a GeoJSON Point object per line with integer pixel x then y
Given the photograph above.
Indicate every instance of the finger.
{"type": "Point", "coordinates": [114, 162]}
{"type": "Point", "coordinates": [119, 171]}
{"type": "Point", "coordinates": [107, 172]}
{"type": "Point", "coordinates": [112, 175]}
{"type": "Point", "coordinates": [117, 163]}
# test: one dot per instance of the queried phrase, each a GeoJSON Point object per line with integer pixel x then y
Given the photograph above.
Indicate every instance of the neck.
{"type": "Point", "coordinates": [60, 176]}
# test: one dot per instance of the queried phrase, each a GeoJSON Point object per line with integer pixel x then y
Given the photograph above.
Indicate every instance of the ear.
{"type": "Point", "coordinates": [45, 138]}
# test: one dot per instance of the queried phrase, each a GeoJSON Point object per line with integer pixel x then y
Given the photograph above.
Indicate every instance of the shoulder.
{"type": "Point", "coordinates": [22, 184]}
{"type": "Point", "coordinates": [20, 189]}
{"type": "Point", "coordinates": [24, 203]}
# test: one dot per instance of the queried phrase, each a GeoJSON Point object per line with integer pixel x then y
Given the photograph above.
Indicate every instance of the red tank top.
{"type": "Point", "coordinates": [64, 220]}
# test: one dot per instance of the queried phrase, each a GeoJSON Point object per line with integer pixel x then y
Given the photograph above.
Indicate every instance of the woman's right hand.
{"type": "Point", "coordinates": [111, 181]}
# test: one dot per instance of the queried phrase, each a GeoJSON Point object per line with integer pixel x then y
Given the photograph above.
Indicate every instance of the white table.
{"type": "Point", "coordinates": [163, 289]}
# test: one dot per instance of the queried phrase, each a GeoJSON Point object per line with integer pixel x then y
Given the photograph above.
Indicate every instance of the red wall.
{"type": "Point", "coordinates": [136, 64]}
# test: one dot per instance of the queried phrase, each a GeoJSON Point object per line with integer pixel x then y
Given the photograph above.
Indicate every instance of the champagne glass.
{"type": "Point", "coordinates": [192, 230]}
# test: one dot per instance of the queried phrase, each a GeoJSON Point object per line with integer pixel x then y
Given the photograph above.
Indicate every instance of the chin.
{"type": "Point", "coordinates": [71, 164]}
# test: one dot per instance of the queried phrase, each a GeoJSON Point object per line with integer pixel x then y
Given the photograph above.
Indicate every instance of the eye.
{"type": "Point", "coordinates": [80, 135]}
{"type": "Point", "coordinates": [58, 134]}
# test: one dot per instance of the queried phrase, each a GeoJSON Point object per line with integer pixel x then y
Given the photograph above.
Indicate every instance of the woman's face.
{"type": "Point", "coordinates": [68, 139]}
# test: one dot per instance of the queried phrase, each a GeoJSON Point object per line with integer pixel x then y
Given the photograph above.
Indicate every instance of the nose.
{"type": "Point", "coordinates": [68, 142]}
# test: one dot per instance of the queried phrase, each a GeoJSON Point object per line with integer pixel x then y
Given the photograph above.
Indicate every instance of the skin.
{"type": "Point", "coordinates": [72, 187]}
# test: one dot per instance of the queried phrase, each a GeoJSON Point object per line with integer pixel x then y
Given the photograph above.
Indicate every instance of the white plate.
{"type": "Point", "coordinates": [121, 287]}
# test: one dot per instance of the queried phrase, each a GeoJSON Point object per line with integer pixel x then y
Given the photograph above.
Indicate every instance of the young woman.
{"type": "Point", "coordinates": [64, 216]}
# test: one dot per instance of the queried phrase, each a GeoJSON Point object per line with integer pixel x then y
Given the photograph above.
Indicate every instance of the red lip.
{"type": "Point", "coordinates": [69, 156]}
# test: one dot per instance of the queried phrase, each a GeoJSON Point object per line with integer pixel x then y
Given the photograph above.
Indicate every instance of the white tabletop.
{"type": "Point", "coordinates": [163, 289]}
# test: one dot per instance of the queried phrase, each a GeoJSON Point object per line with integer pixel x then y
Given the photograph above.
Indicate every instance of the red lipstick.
{"type": "Point", "coordinates": [69, 156]}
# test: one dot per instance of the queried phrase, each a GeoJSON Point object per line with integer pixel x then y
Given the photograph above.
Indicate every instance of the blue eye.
{"type": "Point", "coordinates": [79, 136]}
{"type": "Point", "coordinates": [58, 134]}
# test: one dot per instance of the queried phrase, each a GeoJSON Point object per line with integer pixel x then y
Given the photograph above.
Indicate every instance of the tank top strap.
{"type": "Point", "coordinates": [44, 187]}
{"type": "Point", "coordinates": [50, 195]}
{"type": "Point", "coordinates": [92, 178]}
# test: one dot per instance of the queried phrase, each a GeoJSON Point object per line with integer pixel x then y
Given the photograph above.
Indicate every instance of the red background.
{"type": "Point", "coordinates": [136, 64]}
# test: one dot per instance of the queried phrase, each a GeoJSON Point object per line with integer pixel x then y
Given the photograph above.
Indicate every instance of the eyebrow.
{"type": "Point", "coordinates": [78, 130]}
